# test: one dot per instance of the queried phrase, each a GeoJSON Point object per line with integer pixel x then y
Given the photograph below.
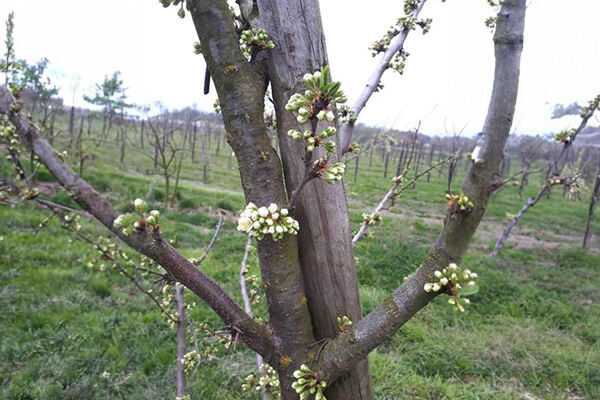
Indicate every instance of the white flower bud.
{"type": "Point", "coordinates": [244, 224]}
{"type": "Point", "coordinates": [139, 204]}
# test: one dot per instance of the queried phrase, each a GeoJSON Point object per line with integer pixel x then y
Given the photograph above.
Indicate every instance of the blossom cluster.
{"type": "Point", "coordinates": [308, 383]}
{"type": "Point", "coordinates": [592, 106]}
{"type": "Point", "coordinates": [313, 140]}
{"type": "Point", "coordinates": [139, 221]}
{"type": "Point", "coordinates": [261, 221]}
{"type": "Point", "coordinates": [346, 114]}
{"type": "Point", "coordinates": [459, 203]}
{"type": "Point", "coordinates": [407, 22]}
{"type": "Point", "coordinates": [564, 136]}
{"type": "Point", "coordinates": [371, 219]}
{"type": "Point", "coordinates": [190, 359]}
{"type": "Point", "coordinates": [344, 323]}
{"type": "Point", "coordinates": [317, 101]}
{"type": "Point", "coordinates": [253, 41]}
{"type": "Point", "coordinates": [334, 172]}
{"type": "Point", "coordinates": [267, 379]}
{"type": "Point", "coordinates": [457, 282]}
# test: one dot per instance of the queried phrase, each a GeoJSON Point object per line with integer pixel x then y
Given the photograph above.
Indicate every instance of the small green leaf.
{"type": "Point", "coordinates": [468, 290]}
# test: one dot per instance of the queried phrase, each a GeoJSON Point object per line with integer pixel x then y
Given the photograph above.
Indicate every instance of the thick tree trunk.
{"type": "Point", "coordinates": [324, 239]}
{"type": "Point", "coordinates": [241, 93]}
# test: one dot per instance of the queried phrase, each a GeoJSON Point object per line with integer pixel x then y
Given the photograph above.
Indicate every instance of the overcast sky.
{"type": "Point", "coordinates": [447, 81]}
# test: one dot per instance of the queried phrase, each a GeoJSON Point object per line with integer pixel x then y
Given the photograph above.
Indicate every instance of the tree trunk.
{"type": "Point", "coordinates": [386, 163]}
{"type": "Point", "coordinates": [430, 162]}
{"type": "Point", "coordinates": [204, 158]}
{"type": "Point", "coordinates": [122, 129]}
{"type": "Point", "coordinates": [193, 144]}
{"type": "Point", "coordinates": [324, 238]}
{"type": "Point", "coordinates": [142, 134]}
{"type": "Point", "coordinates": [588, 226]}
{"type": "Point", "coordinates": [71, 120]}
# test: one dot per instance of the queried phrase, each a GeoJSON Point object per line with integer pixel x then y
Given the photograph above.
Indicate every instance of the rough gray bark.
{"type": "Point", "coordinates": [240, 88]}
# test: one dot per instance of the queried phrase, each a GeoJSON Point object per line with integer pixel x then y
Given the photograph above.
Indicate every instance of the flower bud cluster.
{"type": "Point", "coordinates": [317, 101]}
{"type": "Point", "coordinates": [139, 221]}
{"type": "Point", "coordinates": [254, 40]}
{"type": "Point", "coordinates": [189, 360]}
{"type": "Point", "coordinates": [308, 384]}
{"type": "Point", "coordinates": [354, 148]}
{"type": "Point", "coordinates": [457, 283]}
{"type": "Point", "coordinates": [315, 140]}
{"type": "Point", "coordinates": [335, 172]}
{"type": "Point", "coordinates": [267, 379]}
{"type": "Point", "coordinates": [399, 61]}
{"type": "Point", "coordinates": [459, 203]}
{"type": "Point", "coordinates": [371, 219]}
{"type": "Point", "coordinates": [180, 12]}
{"type": "Point", "coordinates": [407, 22]}
{"type": "Point", "coordinates": [346, 114]}
{"type": "Point", "coordinates": [261, 221]}
{"type": "Point", "coordinates": [197, 48]}
{"type": "Point", "coordinates": [555, 181]}
{"type": "Point", "coordinates": [71, 222]}
{"type": "Point", "coordinates": [344, 323]}
{"type": "Point", "coordinates": [592, 106]}
{"type": "Point", "coordinates": [564, 136]}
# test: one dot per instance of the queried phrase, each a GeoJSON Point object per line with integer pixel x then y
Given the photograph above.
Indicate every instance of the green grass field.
{"type": "Point", "coordinates": [73, 332]}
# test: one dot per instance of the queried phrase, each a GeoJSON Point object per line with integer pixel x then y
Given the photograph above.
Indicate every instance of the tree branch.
{"type": "Point", "coordinates": [396, 45]}
{"type": "Point", "coordinates": [392, 194]}
{"type": "Point", "coordinates": [348, 348]}
{"type": "Point", "coordinates": [154, 247]}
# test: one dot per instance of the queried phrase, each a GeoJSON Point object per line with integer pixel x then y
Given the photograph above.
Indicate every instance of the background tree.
{"type": "Point", "coordinates": [110, 95]}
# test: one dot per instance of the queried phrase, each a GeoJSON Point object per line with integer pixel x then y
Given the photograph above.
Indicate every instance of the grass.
{"type": "Point", "coordinates": [73, 332]}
